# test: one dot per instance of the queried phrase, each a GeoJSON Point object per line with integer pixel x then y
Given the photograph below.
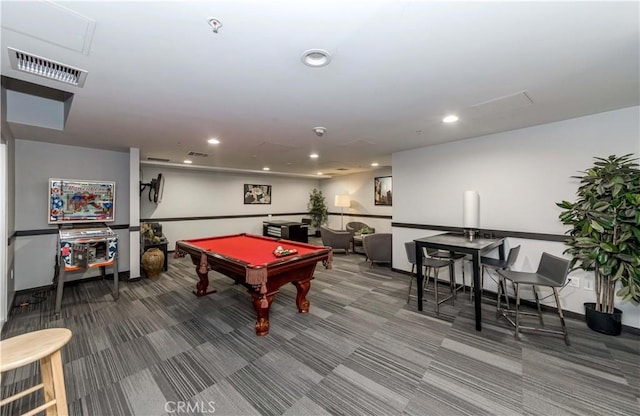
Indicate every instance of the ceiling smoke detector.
{"type": "Point", "coordinates": [316, 58]}
{"type": "Point", "coordinates": [320, 131]}
{"type": "Point", "coordinates": [215, 24]}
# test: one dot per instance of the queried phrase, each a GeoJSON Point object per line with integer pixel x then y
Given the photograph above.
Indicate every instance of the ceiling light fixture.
{"type": "Point", "coordinates": [316, 58]}
{"type": "Point", "coordinates": [320, 131]}
{"type": "Point", "coordinates": [450, 119]}
{"type": "Point", "coordinates": [215, 24]}
{"type": "Point", "coordinates": [266, 168]}
{"type": "Point", "coordinates": [213, 141]}
{"type": "Point", "coordinates": [374, 164]}
{"type": "Point", "coordinates": [188, 162]}
{"type": "Point", "coordinates": [319, 173]}
{"type": "Point", "coordinates": [313, 156]}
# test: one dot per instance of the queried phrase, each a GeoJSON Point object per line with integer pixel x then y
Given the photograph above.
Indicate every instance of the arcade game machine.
{"type": "Point", "coordinates": [82, 209]}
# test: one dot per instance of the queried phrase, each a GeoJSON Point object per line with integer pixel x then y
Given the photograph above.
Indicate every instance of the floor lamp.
{"type": "Point", "coordinates": [343, 202]}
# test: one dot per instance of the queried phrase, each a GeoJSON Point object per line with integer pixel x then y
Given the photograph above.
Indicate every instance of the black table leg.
{"type": "Point", "coordinates": [419, 277]}
{"type": "Point", "coordinates": [477, 291]}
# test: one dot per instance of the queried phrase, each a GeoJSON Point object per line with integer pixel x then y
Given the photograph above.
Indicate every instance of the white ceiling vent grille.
{"type": "Point", "coordinates": [25, 62]}
{"type": "Point", "coordinates": [197, 154]}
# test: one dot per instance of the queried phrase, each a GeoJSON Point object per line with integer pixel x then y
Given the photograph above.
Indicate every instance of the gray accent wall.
{"type": "Point", "coordinates": [35, 163]}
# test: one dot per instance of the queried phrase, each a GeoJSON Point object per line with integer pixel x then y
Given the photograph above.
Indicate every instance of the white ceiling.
{"type": "Point", "coordinates": [160, 80]}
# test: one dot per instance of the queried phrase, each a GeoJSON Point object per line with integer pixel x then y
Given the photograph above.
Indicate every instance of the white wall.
{"type": "Point", "coordinates": [520, 175]}
{"type": "Point", "coordinates": [359, 186]}
{"type": "Point", "coordinates": [190, 193]}
{"type": "Point", "coordinates": [35, 163]}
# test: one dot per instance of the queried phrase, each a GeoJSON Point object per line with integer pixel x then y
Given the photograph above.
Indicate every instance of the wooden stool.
{"type": "Point", "coordinates": [44, 345]}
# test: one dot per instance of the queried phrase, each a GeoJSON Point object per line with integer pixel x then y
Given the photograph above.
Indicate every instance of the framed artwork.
{"type": "Point", "coordinates": [77, 201]}
{"type": "Point", "coordinates": [382, 192]}
{"type": "Point", "coordinates": [257, 194]}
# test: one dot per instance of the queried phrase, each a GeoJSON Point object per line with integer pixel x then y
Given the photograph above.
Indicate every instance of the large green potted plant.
{"type": "Point", "coordinates": [317, 207]}
{"type": "Point", "coordinates": [605, 236]}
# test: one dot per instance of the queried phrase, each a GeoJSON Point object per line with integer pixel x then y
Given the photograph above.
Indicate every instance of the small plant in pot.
{"type": "Point", "coordinates": [605, 236]}
{"type": "Point", "coordinates": [318, 211]}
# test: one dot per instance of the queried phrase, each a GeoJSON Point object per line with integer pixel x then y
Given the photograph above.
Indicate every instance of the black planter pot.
{"type": "Point", "coordinates": [605, 323]}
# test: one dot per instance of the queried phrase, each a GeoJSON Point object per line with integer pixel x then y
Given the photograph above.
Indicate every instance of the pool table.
{"type": "Point", "coordinates": [250, 260]}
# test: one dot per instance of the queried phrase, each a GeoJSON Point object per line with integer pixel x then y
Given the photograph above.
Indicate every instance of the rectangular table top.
{"type": "Point", "coordinates": [459, 242]}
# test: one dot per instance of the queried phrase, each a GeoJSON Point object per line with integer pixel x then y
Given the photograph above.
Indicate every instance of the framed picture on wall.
{"type": "Point", "coordinates": [257, 194]}
{"type": "Point", "coordinates": [382, 192]}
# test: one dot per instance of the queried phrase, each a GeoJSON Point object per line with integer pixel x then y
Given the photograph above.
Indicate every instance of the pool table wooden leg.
{"type": "Point", "coordinates": [262, 324]}
{"type": "Point", "coordinates": [203, 284]}
{"type": "Point", "coordinates": [301, 296]}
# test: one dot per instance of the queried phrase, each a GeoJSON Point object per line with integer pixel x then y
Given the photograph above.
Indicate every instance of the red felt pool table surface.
{"type": "Point", "coordinates": [250, 260]}
{"type": "Point", "coordinates": [255, 250]}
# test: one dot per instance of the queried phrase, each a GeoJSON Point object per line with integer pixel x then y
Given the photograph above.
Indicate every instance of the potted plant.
{"type": "Point", "coordinates": [605, 236]}
{"type": "Point", "coordinates": [317, 207]}
{"type": "Point", "coordinates": [146, 230]}
{"type": "Point", "coordinates": [366, 230]}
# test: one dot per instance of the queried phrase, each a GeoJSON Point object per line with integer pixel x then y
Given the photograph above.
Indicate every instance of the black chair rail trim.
{"type": "Point", "coordinates": [45, 231]}
{"type": "Point", "coordinates": [221, 217]}
{"type": "Point", "coordinates": [384, 217]}
{"type": "Point", "coordinates": [487, 233]}
{"type": "Point", "coordinates": [28, 233]}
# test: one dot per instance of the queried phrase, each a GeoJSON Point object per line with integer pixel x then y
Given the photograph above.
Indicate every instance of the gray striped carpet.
{"type": "Point", "coordinates": [361, 350]}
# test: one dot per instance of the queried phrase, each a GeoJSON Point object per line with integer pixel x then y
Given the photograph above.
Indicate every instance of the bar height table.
{"type": "Point", "coordinates": [460, 244]}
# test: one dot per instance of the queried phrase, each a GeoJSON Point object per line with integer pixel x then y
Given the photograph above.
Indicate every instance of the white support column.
{"type": "Point", "coordinates": [3, 235]}
{"type": "Point", "coordinates": [134, 213]}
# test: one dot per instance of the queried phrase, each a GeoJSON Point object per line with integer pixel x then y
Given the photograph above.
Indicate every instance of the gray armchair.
{"type": "Point", "coordinates": [337, 240]}
{"type": "Point", "coordinates": [355, 226]}
{"type": "Point", "coordinates": [377, 247]}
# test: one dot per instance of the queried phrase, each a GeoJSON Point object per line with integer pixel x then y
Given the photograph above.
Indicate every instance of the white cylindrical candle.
{"type": "Point", "coordinates": [471, 210]}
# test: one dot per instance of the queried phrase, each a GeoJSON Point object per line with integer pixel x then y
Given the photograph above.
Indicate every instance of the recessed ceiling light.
{"type": "Point", "coordinates": [213, 141]}
{"type": "Point", "coordinates": [313, 155]}
{"type": "Point", "coordinates": [188, 162]}
{"type": "Point", "coordinates": [375, 164]}
{"type": "Point", "coordinates": [319, 173]}
{"type": "Point", "coordinates": [450, 119]}
{"type": "Point", "coordinates": [316, 58]}
{"type": "Point", "coordinates": [266, 168]}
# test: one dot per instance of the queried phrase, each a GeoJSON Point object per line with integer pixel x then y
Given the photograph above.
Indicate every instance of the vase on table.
{"type": "Point", "coordinates": [153, 262]}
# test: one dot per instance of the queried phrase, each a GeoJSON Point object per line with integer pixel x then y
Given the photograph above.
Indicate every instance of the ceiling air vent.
{"type": "Point", "coordinates": [198, 154]}
{"type": "Point", "coordinates": [342, 169]}
{"type": "Point", "coordinates": [158, 159]}
{"type": "Point", "coordinates": [26, 62]}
